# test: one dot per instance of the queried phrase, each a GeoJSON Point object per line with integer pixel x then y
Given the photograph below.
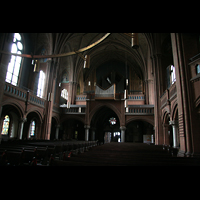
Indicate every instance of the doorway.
{"type": "Point", "coordinates": [116, 137]}
{"type": "Point", "coordinates": [106, 124]}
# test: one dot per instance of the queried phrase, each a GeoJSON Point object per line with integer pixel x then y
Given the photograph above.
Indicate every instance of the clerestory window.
{"type": "Point", "coordinates": [41, 81]}
{"type": "Point", "coordinates": [64, 94]}
{"type": "Point", "coordinates": [12, 75]}
{"type": "Point", "coordinates": [173, 74]}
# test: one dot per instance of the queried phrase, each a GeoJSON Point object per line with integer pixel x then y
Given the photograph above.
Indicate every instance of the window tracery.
{"type": "Point", "coordinates": [14, 65]}
{"type": "Point", "coordinates": [113, 121]}
{"type": "Point", "coordinates": [64, 94]}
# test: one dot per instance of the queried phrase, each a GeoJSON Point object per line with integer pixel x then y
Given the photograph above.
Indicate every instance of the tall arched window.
{"type": "Point", "coordinates": [41, 81]}
{"type": "Point", "coordinates": [64, 94]}
{"type": "Point", "coordinates": [14, 65]}
{"type": "Point", "coordinates": [171, 75]}
{"type": "Point", "coordinates": [6, 123]}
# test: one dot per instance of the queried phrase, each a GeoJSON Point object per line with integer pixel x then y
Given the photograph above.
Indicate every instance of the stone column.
{"type": "Point", "coordinates": [87, 128]}
{"type": "Point", "coordinates": [182, 94]}
{"type": "Point", "coordinates": [174, 125]}
{"type": "Point", "coordinates": [21, 127]}
{"type": "Point", "coordinates": [156, 64]}
{"type": "Point", "coordinates": [52, 67]}
{"type": "Point", "coordinates": [123, 129]}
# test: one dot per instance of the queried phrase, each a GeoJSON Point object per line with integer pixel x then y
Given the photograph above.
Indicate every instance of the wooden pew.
{"type": "Point", "coordinates": [10, 157]}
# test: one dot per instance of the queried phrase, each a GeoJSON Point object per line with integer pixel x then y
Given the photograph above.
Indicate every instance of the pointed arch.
{"type": "Point", "coordinates": [174, 110]}
{"type": "Point", "coordinates": [141, 118]}
{"type": "Point", "coordinates": [108, 105]}
{"type": "Point", "coordinates": [15, 104]}
{"type": "Point", "coordinates": [37, 111]}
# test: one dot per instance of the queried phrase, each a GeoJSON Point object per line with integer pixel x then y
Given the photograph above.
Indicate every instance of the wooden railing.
{"type": "Point", "coordinates": [23, 95]}
{"type": "Point", "coordinates": [140, 110]}
{"type": "Point", "coordinates": [81, 99]}
{"type": "Point", "coordinates": [75, 109]}
{"type": "Point", "coordinates": [136, 99]}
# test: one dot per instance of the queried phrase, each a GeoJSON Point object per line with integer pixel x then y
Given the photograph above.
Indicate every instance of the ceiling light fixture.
{"type": "Point", "coordinates": [134, 40]}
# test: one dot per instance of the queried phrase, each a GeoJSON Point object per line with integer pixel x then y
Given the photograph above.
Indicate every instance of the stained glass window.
{"type": "Point", "coordinates": [6, 123]}
{"type": "Point", "coordinates": [15, 61]}
{"type": "Point", "coordinates": [32, 128]}
{"type": "Point", "coordinates": [112, 121]}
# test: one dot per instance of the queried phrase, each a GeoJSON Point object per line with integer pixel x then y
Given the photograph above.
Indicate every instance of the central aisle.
{"type": "Point", "coordinates": [127, 154]}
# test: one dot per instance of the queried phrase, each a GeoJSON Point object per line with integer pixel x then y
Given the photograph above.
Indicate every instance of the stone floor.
{"type": "Point", "coordinates": [127, 154]}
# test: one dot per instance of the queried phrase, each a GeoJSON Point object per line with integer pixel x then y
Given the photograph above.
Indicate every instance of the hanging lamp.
{"type": "Point", "coordinates": [86, 62]}
{"type": "Point", "coordinates": [36, 66]}
{"type": "Point", "coordinates": [134, 41]}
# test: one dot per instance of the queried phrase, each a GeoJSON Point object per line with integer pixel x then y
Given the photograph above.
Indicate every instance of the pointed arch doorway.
{"type": "Point", "coordinates": [106, 124]}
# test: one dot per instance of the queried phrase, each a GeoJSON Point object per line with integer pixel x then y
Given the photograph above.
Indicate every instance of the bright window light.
{"type": "Point", "coordinates": [14, 65]}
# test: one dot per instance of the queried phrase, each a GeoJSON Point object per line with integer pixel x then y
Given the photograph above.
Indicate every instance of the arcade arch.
{"type": "Point", "coordinates": [170, 127]}
{"type": "Point", "coordinates": [15, 114]}
{"type": "Point", "coordinates": [139, 131]}
{"type": "Point", "coordinates": [71, 128]}
{"type": "Point", "coordinates": [101, 124]}
{"type": "Point", "coordinates": [32, 116]}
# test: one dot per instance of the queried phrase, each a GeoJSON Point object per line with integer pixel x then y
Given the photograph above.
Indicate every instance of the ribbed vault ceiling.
{"type": "Point", "coordinates": [116, 47]}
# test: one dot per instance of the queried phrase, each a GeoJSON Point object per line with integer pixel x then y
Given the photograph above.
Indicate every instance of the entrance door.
{"type": "Point", "coordinates": [116, 137]}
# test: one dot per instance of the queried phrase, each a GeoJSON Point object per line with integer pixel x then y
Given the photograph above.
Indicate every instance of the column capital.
{"type": "Point", "coordinates": [175, 122]}
{"type": "Point", "coordinates": [22, 119]}
{"type": "Point", "coordinates": [86, 126]}
{"type": "Point", "coordinates": [123, 128]}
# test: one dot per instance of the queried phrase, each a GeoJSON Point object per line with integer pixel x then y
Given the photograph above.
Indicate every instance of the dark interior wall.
{"type": "Point", "coordinates": [136, 129]}
{"type": "Point", "coordinates": [27, 68]}
{"type": "Point", "coordinates": [68, 129]}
